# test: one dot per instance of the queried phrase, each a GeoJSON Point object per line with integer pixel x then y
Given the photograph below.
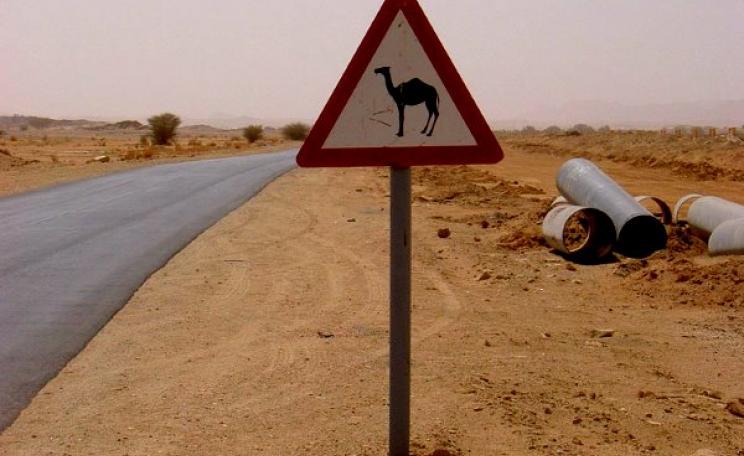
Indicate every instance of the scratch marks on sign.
{"type": "Point", "coordinates": [380, 121]}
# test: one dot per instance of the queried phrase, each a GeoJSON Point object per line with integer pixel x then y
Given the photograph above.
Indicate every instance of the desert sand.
{"type": "Point", "coordinates": [268, 334]}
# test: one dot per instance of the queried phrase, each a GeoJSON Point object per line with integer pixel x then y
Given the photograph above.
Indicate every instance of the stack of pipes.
{"type": "Point", "coordinates": [612, 216]}
{"type": "Point", "coordinates": [720, 220]}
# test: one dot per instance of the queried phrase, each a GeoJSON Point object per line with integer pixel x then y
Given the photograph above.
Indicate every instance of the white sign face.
{"type": "Point", "coordinates": [400, 101]}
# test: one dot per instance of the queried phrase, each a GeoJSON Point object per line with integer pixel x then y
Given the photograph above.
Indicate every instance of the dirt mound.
{"type": "Point", "coordinates": [521, 207]}
{"type": "Point", "coordinates": [701, 159]}
{"type": "Point", "coordinates": [465, 185]}
{"type": "Point", "coordinates": [8, 161]}
{"type": "Point", "coordinates": [698, 282]}
{"type": "Point", "coordinates": [682, 241]}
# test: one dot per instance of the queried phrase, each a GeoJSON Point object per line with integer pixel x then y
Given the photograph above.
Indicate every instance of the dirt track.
{"type": "Point", "coordinates": [268, 335]}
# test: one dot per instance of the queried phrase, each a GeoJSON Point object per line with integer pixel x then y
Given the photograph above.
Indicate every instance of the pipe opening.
{"type": "Point", "coordinates": [588, 236]}
{"type": "Point", "coordinates": [641, 236]}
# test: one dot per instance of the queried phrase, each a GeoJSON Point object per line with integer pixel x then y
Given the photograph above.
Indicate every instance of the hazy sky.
{"type": "Point", "coordinates": [281, 58]}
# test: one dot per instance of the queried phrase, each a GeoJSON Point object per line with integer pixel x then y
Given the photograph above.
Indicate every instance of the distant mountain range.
{"type": "Point", "coordinates": [728, 113]}
{"type": "Point", "coordinates": [41, 123]}
{"type": "Point", "coordinates": [597, 113]}
{"type": "Point", "coordinates": [217, 123]}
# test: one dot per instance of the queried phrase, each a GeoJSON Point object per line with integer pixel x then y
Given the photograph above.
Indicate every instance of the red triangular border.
{"type": "Point", "coordinates": [487, 150]}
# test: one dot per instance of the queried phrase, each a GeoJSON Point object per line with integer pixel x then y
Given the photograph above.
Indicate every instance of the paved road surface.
{"type": "Point", "coordinates": [71, 256]}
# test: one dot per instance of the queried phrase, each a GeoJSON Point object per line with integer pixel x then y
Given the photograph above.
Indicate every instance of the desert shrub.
{"type": "Point", "coordinates": [295, 131]}
{"type": "Point", "coordinates": [553, 130]}
{"type": "Point", "coordinates": [583, 129]}
{"type": "Point", "coordinates": [604, 129]}
{"type": "Point", "coordinates": [529, 130]}
{"type": "Point", "coordinates": [253, 133]}
{"type": "Point", "coordinates": [163, 128]}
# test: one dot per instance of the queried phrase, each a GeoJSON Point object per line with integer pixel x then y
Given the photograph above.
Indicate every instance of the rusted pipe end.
{"type": "Point", "coordinates": [641, 236]}
{"type": "Point", "coordinates": [582, 234]}
{"type": "Point", "coordinates": [687, 199]}
{"type": "Point", "coordinates": [665, 213]}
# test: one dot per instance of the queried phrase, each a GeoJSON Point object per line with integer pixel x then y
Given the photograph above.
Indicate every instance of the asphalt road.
{"type": "Point", "coordinates": [72, 255]}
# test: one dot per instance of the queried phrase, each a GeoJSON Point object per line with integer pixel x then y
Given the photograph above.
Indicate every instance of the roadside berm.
{"type": "Point", "coordinates": [268, 334]}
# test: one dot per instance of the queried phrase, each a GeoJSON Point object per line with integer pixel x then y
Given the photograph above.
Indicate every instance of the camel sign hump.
{"type": "Point", "coordinates": [401, 102]}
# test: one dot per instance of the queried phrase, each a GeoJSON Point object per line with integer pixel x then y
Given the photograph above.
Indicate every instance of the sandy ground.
{"type": "Point", "coordinates": [268, 334]}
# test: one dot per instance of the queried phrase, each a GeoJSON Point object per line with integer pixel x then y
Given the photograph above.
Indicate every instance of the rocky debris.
{"type": "Point", "coordinates": [351, 220]}
{"type": "Point", "coordinates": [684, 281]}
{"type": "Point", "coordinates": [442, 453]}
{"type": "Point", "coordinates": [602, 333]}
{"type": "Point", "coordinates": [704, 452]}
{"type": "Point", "coordinates": [626, 269]}
{"type": "Point", "coordinates": [100, 159]}
{"type": "Point", "coordinates": [326, 335]}
{"type": "Point", "coordinates": [736, 407]}
{"type": "Point", "coordinates": [484, 276]}
{"type": "Point", "coordinates": [444, 233]}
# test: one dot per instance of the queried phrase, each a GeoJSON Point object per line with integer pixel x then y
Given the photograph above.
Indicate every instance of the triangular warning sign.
{"type": "Point", "coordinates": [401, 102]}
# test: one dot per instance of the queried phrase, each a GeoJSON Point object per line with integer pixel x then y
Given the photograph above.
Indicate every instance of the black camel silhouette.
{"type": "Point", "coordinates": [412, 93]}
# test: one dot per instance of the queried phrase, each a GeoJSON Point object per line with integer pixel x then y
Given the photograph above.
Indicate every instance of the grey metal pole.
{"type": "Point", "coordinates": [400, 310]}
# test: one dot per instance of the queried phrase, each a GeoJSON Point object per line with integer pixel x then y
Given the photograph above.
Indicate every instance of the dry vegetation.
{"type": "Point", "coordinates": [34, 157]}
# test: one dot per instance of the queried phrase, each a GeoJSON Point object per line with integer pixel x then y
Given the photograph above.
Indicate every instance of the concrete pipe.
{"type": "Point", "coordinates": [706, 214]}
{"type": "Point", "coordinates": [583, 234]}
{"type": "Point", "coordinates": [639, 233]}
{"type": "Point", "coordinates": [728, 238]}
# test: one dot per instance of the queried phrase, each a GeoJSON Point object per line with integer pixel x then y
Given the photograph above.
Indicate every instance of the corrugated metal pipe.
{"type": "Point", "coordinates": [639, 233]}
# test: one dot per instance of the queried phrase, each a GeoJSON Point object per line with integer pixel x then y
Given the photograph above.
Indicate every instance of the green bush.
{"type": "Point", "coordinates": [295, 131]}
{"type": "Point", "coordinates": [163, 128]}
{"type": "Point", "coordinates": [253, 133]}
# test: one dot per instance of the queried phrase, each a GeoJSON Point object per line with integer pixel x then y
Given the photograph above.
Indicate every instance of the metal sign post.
{"type": "Point", "coordinates": [400, 310]}
{"type": "Point", "coordinates": [399, 80]}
